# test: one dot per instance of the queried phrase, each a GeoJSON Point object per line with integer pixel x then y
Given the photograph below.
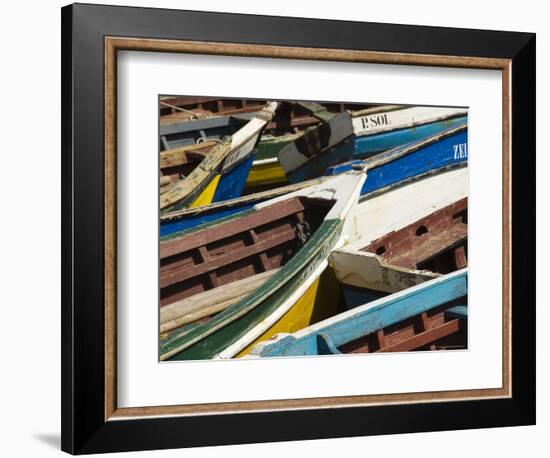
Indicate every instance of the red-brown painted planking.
{"type": "Point", "coordinates": [241, 224]}
{"type": "Point", "coordinates": [175, 275]}
{"type": "Point", "coordinates": [426, 239]}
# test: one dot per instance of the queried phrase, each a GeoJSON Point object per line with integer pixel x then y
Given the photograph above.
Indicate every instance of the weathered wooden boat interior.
{"type": "Point", "coordinates": [437, 242]}
{"type": "Point", "coordinates": [295, 117]}
{"type": "Point", "coordinates": [200, 307]}
{"type": "Point", "coordinates": [181, 161]}
{"type": "Point", "coordinates": [183, 108]}
{"type": "Point", "coordinates": [252, 243]}
{"type": "Point", "coordinates": [196, 131]}
{"type": "Point", "coordinates": [441, 328]}
{"type": "Point", "coordinates": [291, 117]}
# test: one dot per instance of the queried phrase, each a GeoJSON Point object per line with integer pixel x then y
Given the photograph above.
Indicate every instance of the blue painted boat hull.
{"type": "Point", "coordinates": [435, 156]}
{"type": "Point", "coordinates": [366, 146]}
{"type": "Point", "coordinates": [170, 228]}
{"type": "Point", "coordinates": [317, 166]}
{"type": "Point", "coordinates": [447, 151]}
{"type": "Point", "coordinates": [231, 184]}
{"type": "Point", "coordinates": [354, 297]}
{"type": "Point", "coordinates": [326, 337]}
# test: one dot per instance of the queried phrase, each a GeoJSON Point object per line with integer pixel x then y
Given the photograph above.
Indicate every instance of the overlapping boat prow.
{"type": "Point", "coordinates": [348, 136]}
{"type": "Point", "coordinates": [172, 223]}
{"type": "Point", "coordinates": [337, 190]}
{"type": "Point", "coordinates": [213, 175]}
{"type": "Point", "coordinates": [294, 234]}
{"type": "Point", "coordinates": [396, 262]}
{"type": "Point", "coordinates": [393, 167]}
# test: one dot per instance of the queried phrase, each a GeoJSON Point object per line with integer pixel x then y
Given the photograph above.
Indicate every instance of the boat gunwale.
{"type": "Point", "coordinates": [410, 148]}
{"type": "Point", "coordinates": [184, 196]}
{"type": "Point", "coordinates": [398, 151]}
{"type": "Point", "coordinates": [289, 207]}
{"type": "Point", "coordinates": [183, 127]}
{"type": "Point", "coordinates": [169, 216]}
{"type": "Point", "coordinates": [292, 268]}
{"type": "Point", "coordinates": [413, 124]}
{"type": "Point", "coordinates": [378, 305]}
{"type": "Point", "coordinates": [413, 179]}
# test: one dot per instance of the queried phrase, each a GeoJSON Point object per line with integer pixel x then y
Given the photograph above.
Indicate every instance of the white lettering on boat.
{"type": "Point", "coordinates": [460, 151]}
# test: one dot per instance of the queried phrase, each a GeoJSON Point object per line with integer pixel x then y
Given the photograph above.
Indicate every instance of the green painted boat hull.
{"type": "Point", "coordinates": [270, 147]}
{"type": "Point", "coordinates": [243, 316]}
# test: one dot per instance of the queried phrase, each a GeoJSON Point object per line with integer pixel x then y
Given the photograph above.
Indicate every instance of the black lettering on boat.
{"type": "Point", "coordinates": [377, 120]}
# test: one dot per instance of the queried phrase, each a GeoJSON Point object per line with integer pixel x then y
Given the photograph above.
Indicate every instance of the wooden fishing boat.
{"type": "Point", "coordinates": [433, 245]}
{"type": "Point", "coordinates": [420, 191]}
{"type": "Point", "coordinates": [385, 118]}
{"type": "Point", "coordinates": [294, 234]}
{"type": "Point", "coordinates": [390, 209]}
{"type": "Point", "coordinates": [370, 145]}
{"type": "Point", "coordinates": [177, 138]}
{"type": "Point", "coordinates": [399, 164]}
{"type": "Point", "coordinates": [291, 118]}
{"type": "Point", "coordinates": [186, 120]}
{"type": "Point", "coordinates": [173, 223]}
{"type": "Point", "coordinates": [301, 162]}
{"type": "Point", "coordinates": [429, 316]}
{"type": "Point", "coordinates": [222, 172]}
{"type": "Point", "coordinates": [440, 328]}
{"type": "Point", "coordinates": [288, 125]}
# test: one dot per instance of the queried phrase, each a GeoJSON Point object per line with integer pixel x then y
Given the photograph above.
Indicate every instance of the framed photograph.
{"type": "Point", "coordinates": [284, 228]}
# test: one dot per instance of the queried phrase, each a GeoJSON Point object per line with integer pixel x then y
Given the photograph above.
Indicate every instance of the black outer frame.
{"type": "Point", "coordinates": [84, 429]}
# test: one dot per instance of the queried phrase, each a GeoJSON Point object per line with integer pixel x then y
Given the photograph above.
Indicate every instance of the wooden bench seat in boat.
{"type": "Point", "coordinates": [210, 302]}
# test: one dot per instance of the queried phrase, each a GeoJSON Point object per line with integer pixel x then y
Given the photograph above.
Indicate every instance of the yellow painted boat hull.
{"type": "Point", "coordinates": [320, 301]}
{"type": "Point", "coordinates": [265, 174]}
{"type": "Point", "coordinates": [206, 196]}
